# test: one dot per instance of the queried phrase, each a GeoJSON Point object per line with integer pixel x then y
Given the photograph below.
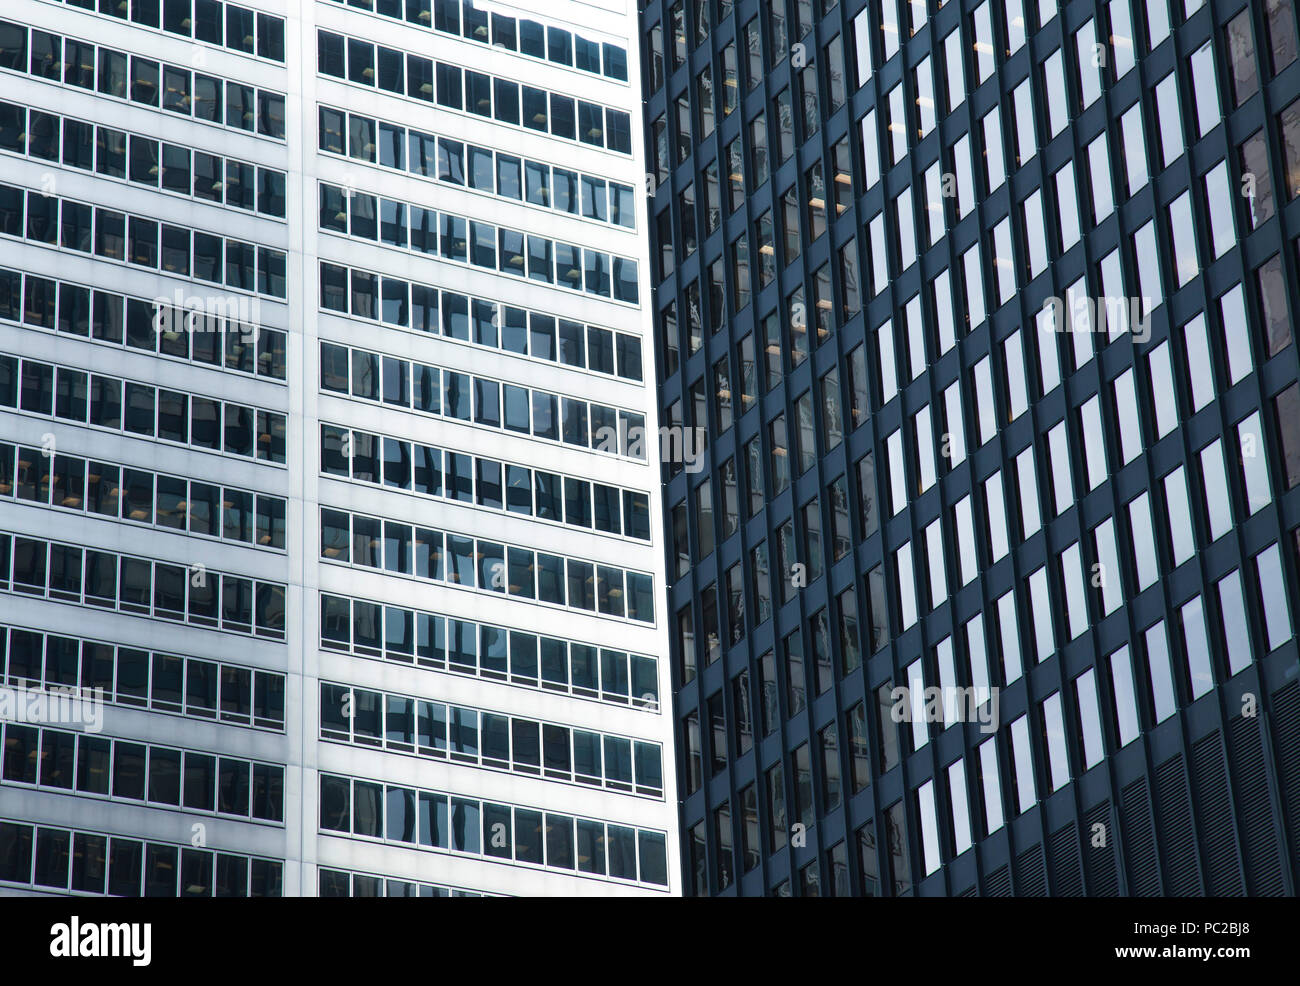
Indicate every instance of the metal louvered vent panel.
{"type": "Point", "coordinates": [1139, 842]}
{"type": "Point", "coordinates": [1260, 850]}
{"type": "Point", "coordinates": [1099, 859]}
{"type": "Point", "coordinates": [1177, 841]}
{"type": "Point", "coordinates": [1031, 874]}
{"type": "Point", "coordinates": [1286, 748]}
{"type": "Point", "coordinates": [1214, 815]}
{"type": "Point", "coordinates": [998, 883]}
{"type": "Point", "coordinates": [1063, 862]}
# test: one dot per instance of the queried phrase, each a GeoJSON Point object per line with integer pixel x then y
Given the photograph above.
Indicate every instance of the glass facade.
{"type": "Point", "coordinates": [986, 579]}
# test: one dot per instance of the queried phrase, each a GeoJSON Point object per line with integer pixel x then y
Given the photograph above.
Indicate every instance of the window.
{"type": "Point", "coordinates": [1197, 647]}
{"type": "Point", "coordinates": [1126, 709]}
{"type": "Point", "coordinates": [1162, 389]}
{"type": "Point", "coordinates": [1093, 441]}
{"type": "Point", "coordinates": [1273, 596]}
{"type": "Point", "coordinates": [1257, 179]}
{"type": "Point", "coordinates": [1272, 294]}
{"type": "Point", "coordinates": [1235, 626]}
{"type": "Point", "coordinates": [1250, 439]}
{"type": "Point", "coordinates": [1107, 575]}
{"type": "Point", "coordinates": [862, 45]}
{"type": "Point", "coordinates": [925, 805]}
{"type": "Point", "coordinates": [1183, 239]}
{"type": "Point", "coordinates": [776, 812]}
{"type": "Point", "coordinates": [828, 741]}
{"type": "Point", "coordinates": [1148, 268]}
{"type": "Point", "coordinates": [1058, 764]}
{"type": "Point", "coordinates": [1053, 80]}
{"type": "Point", "coordinates": [1218, 201]}
{"type": "Point", "coordinates": [1243, 68]}
{"type": "Point", "coordinates": [1132, 130]}
{"type": "Point", "coordinates": [1286, 408]}
{"type": "Point", "coordinates": [1215, 480]}
{"type": "Point", "coordinates": [1022, 773]}
{"type": "Point", "coordinates": [1157, 13]}
{"type": "Point", "coordinates": [1126, 408]}
{"type": "Point", "coordinates": [1179, 516]}
{"type": "Point", "coordinates": [1280, 25]}
{"type": "Point", "coordinates": [973, 281]}
{"type": "Point", "coordinates": [1236, 337]}
{"type": "Point", "coordinates": [991, 785]}
{"type": "Point", "coordinates": [1205, 89]}
{"type": "Point", "coordinates": [1059, 458]}
{"type": "Point", "coordinates": [1103, 202]}
{"type": "Point", "coordinates": [983, 30]}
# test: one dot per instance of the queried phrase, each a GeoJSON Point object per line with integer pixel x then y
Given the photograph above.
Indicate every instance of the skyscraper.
{"type": "Point", "coordinates": [326, 431]}
{"type": "Point", "coordinates": [988, 582]}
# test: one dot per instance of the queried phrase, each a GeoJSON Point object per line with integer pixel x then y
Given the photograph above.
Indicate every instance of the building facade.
{"type": "Point", "coordinates": [987, 579]}
{"type": "Point", "coordinates": [326, 444]}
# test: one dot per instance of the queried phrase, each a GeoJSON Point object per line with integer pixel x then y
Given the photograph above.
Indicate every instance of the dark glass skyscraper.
{"type": "Point", "coordinates": [986, 580]}
{"type": "Point", "coordinates": [324, 467]}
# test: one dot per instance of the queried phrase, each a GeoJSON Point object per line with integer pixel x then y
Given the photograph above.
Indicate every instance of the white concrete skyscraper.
{"type": "Point", "coordinates": [329, 452]}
